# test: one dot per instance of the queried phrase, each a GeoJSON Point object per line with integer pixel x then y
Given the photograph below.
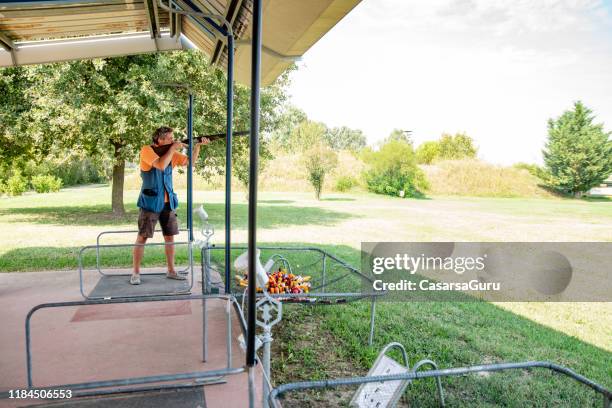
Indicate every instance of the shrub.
{"type": "Point", "coordinates": [393, 169]}
{"type": "Point", "coordinates": [533, 169]}
{"type": "Point", "coordinates": [71, 170]}
{"type": "Point", "coordinates": [46, 184]}
{"type": "Point", "coordinates": [345, 183]}
{"type": "Point", "coordinates": [319, 160]}
{"type": "Point", "coordinates": [16, 185]}
{"type": "Point", "coordinates": [427, 152]}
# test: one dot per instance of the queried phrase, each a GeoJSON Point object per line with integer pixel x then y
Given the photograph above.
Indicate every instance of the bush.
{"type": "Point", "coordinates": [345, 183]}
{"type": "Point", "coordinates": [16, 185]}
{"type": "Point", "coordinates": [427, 152]}
{"type": "Point", "coordinates": [533, 169]}
{"type": "Point", "coordinates": [71, 170]}
{"type": "Point", "coordinates": [46, 184]}
{"type": "Point", "coordinates": [393, 169]}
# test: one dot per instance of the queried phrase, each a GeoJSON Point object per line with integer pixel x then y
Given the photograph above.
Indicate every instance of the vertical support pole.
{"type": "Point", "coordinates": [372, 315]}
{"type": "Point", "coordinates": [251, 373]}
{"type": "Point", "coordinates": [324, 280]}
{"type": "Point", "coordinates": [228, 338]}
{"type": "Point", "coordinates": [228, 159]}
{"type": "Point", "coordinates": [253, 168]}
{"type": "Point", "coordinates": [190, 171]}
{"type": "Point", "coordinates": [267, 346]}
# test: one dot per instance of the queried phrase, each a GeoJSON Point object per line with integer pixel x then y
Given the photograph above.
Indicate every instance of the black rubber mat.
{"type": "Point", "coordinates": [154, 284]}
{"type": "Point", "coordinates": [180, 398]}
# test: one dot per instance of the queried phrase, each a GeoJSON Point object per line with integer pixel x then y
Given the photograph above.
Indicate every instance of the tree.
{"type": "Point", "coordinates": [400, 135]}
{"type": "Point", "coordinates": [345, 138]}
{"type": "Point", "coordinates": [393, 169]}
{"type": "Point", "coordinates": [427, 152]}
{"type": "Point", "coordinates": [110, 107]}
{"type": "Point", "coordinates": [459, 146]}
{"type": "Point", "coordinates": [578, 153]}
{"type": "Point", "coordinates": [289, 118]}
{"type": "Point", "coordinates": [306, 135]}
{"type": "Point", "coordinates": [15, 107]}
{"type": "Point", "coordinates": [319, 160]}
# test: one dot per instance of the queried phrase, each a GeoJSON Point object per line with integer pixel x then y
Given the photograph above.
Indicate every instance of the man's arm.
{"type": "Point", "coordinates": [196, 151]}
{"type": "Point", "coordinates": [165, 160]}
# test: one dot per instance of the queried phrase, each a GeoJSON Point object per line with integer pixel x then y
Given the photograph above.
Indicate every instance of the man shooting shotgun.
{"type": "Point", "coordinates": [157, 200]}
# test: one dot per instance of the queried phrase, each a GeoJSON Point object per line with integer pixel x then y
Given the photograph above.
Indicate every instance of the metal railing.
{"type": "Point", "coordinates": [123, 382]}
{"type": "Point", "coordinates": [448, 372]}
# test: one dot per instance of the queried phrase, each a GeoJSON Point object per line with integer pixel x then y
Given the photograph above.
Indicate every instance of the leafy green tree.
{"type": "Point", "coordinates": [578, 153]}
{"type": "Point", "coordinates": [393, 169]}
{"type": "Point", "coordinates": [345, 138]}
{"type": "Point", "coordinates": [401, 136]}
{"type": "Point", "coordinates": [306, 135]}
{"type": "Point", "coordinates": [319, 160]}
{"type": "Point", "coordinates": [427, 152]}
{"type": "Point", "coordinates": [459, 146]}
{"type": "Point", "coordinates": [288, 119]}
{"type": "Point", "coordinates": [15, 107]}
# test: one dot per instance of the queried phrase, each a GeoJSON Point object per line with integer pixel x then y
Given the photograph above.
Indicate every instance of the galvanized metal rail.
{"type": "Point", "coordinates": [448, 372]}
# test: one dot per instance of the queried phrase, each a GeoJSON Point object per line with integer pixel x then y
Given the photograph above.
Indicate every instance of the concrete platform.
{"type": "Point", "coordinates": [152, 284]}
{"type": "Point", "coordinates": [103, 342]}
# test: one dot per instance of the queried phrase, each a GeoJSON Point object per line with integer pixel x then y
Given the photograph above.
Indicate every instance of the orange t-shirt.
{"type": "Point", "coordinates": [148, 156]}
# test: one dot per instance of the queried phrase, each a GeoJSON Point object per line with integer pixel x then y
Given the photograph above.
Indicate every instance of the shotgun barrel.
{"type": "Point", "coordinates": [161, 150]}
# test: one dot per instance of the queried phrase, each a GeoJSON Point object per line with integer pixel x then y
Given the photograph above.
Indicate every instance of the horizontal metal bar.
{"type": "Point", "coordinates": [159, 387]}
{"type": "Point", "coordinates": [438, 373]}
{"type": "Point", "coordinates": [144, 380]}
{"type": "Point", "coordinates": [127, 300]}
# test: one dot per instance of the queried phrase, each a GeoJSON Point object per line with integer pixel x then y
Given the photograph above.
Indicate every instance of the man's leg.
{"type": "Point", "coordinates": [146, 228]}
{"type": "Point", "coordinates": [170, 253]}
{"type": "Point", "coordinates": [138, 252]}
{"type": "Point", "coordinates": [169, 226]}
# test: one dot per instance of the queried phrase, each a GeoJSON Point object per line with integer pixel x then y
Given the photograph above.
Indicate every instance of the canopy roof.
{"type": "Point", "coordinates": [41, 31]}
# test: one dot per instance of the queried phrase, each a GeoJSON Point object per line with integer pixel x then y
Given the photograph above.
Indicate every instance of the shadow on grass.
{"type": "Point", "coordinates": [275, 201]}
{"type": "Point", "coordinates": [276, 216]}
{"type": "Point", "coordinates": [338, 199]}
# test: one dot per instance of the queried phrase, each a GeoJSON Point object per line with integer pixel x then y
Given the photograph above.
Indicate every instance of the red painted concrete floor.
{"type": "Point", "coordinates": [102, 342]}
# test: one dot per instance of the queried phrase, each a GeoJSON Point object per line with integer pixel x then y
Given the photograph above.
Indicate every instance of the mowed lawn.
{"type": "Point", "coordinates": [45, 231]}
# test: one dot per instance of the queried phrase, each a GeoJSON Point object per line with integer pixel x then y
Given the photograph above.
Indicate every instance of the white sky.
{"type": "Point", "coordinates": [496, 69]}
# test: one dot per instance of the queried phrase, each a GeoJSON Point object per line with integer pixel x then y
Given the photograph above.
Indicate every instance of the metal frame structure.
{"type": "Point", "coordinates": [317, 298]}
{"type": "Point", "coordinates": [416, 375]}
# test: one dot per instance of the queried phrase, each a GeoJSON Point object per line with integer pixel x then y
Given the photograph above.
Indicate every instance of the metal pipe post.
{"type": "Point", "coordinates": [372, 316]}
{"type": "Point", "coordinates": [228, 337]}
{"type": "Point", "coordinates": [190, 169]}
{"type": "Point", "coordinates": [253, 168]}
{"type": "Point", "coordinates": [266, 339]}
{"type": "Point", "coordinates": [228, 158]}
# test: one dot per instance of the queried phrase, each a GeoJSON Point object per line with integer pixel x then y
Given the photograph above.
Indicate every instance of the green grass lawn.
{"type": "Point", "coordinates": [45, 231]}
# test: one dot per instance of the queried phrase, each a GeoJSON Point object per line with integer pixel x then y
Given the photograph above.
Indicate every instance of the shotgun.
{"type": "Point", "coordinates": [163, 149]}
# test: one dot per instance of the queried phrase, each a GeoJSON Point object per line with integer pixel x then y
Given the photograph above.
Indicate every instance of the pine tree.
{"type": "Point", "coordinates": [578, 153]}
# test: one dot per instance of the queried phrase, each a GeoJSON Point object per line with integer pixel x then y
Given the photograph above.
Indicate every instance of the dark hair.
{"type": "Point", "coordinates": [161, 132]}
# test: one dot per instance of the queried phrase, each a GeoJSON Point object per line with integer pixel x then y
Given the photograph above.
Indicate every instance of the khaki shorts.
{"type": "Point", "coordinates": [147, 221]}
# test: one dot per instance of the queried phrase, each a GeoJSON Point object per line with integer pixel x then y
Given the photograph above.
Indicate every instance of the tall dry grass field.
{"type": "Point", "coordinates": [477, 178]}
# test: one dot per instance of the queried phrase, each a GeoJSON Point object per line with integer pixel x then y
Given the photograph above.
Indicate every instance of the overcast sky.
{"type": "Point", "coordinates": [496, 69]}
